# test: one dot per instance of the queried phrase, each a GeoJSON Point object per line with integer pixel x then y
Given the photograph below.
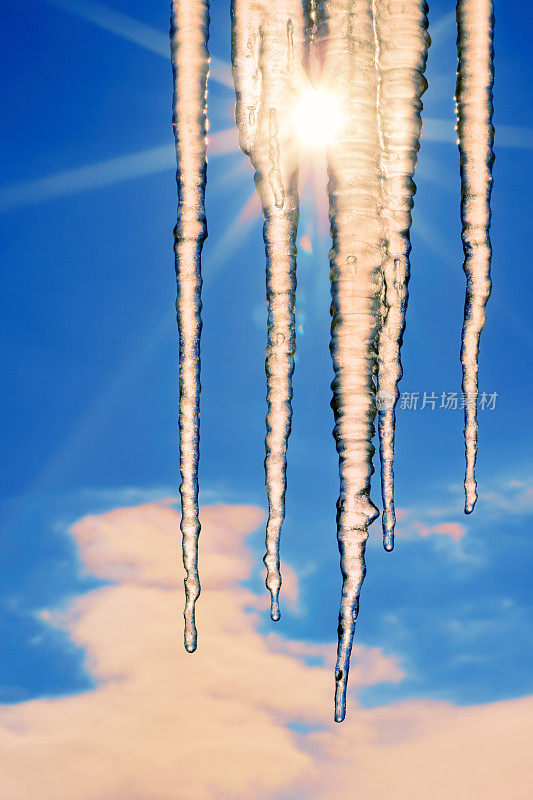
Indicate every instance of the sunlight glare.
{"type": "Point", "coordinates": [317, 118]}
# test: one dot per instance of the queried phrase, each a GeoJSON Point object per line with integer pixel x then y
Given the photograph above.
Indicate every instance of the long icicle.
{"type": "Point", "coordinates": [189, 34]}
{"type": "Point", "coordinates": [401, 46]}
{"type": "Point", "coordinates": [475, 77]}
{"type": "Point", "coordinates": [356, 283]}
{"type": "Point", "coordinates": [266, 57]}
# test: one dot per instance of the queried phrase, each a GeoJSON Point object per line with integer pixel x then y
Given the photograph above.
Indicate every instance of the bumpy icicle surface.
{"type": "Point", "coordinates": [346, 36]}
{"type": "Point", "coordinates": [475, 20]}
{"type": "Point", "coordinates": [267, 52]}
{"type": "Point", "coordinates": [190, 60]}
{"type": "Point", "coordinates": [401, 44]}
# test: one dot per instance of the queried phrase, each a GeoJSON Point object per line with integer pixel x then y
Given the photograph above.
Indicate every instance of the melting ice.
{"type": "Point", "coordinates": [371, 57]}
{"type": "Point", "coordinates": [475, 76]}
{"type": "Point", "coordinates": [190, 59]}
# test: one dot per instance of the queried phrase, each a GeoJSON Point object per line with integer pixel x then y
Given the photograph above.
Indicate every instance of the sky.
{"type": "Point", "coordinates": [92, 672]}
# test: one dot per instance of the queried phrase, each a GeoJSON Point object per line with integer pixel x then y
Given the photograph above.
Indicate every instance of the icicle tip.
{"type": "Point", "coordinates": [275, 613]}
{"type": "Point", "coordinates": [340, 696]}
{"type": "Point", "coordinates": [273, 576]}
{"type": "Point", "coordinates": [470, 494]}
{"type": "Point", "coordinates": [469, 506]}
{"type": "Point", "coordinates": [388, 520]}
{"type": "Point", "coordinates": [190, 635]}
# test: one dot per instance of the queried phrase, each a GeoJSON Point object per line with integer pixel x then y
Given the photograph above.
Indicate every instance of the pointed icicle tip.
{"type": "Point", "coordinates": [273, 579]}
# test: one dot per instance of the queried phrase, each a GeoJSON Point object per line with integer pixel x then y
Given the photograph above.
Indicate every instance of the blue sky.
{"type": "Point", "coordinates": [89, 359]}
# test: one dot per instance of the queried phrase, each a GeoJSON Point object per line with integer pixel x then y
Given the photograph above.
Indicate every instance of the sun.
{"type": "Point", "coordinates": [317, 118]}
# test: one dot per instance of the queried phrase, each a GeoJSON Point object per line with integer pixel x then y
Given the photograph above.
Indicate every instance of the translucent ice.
{"type": "Point", "coordinates": [190, 63]}
{"type": "Point", "coordinates": [267, 55]}
{"type": "Point", "coordinates": [475, 77]}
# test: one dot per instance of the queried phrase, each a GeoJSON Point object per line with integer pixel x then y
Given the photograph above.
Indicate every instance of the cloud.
{"type": "Point", "coordinates": [511, 497]}
{"type": "Point", "coordinates": [306, 243]}
{"type": "Point", "coordinates": [453, 529]}
{"type": "Point", "coordinates": [413, 522]}
{"type": "Point", "coordinates": [499, 497]}
{"type": "Point", "coordinates": [416, 750]}
{"type": "Point", "coordinates": [247, 715]}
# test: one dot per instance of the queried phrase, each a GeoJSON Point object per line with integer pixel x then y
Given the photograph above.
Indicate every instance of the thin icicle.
{"type": "Point", "coordinates": [190, 65]}
{"type": "Point", "coordinates": [401, 45]}
{"type": "Point", "coordinates": [267, 51]}
{"type": "Point", "coordinates": [475, 77]}
{"type": "Point", "coordinates": [345, 32]}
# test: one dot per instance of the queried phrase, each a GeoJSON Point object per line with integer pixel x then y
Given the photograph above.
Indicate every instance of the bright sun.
{"type": "Point", "coordinates": [316, 118]}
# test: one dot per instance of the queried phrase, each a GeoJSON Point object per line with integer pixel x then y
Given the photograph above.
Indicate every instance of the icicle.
{"type": "Point", "coordinates": [475, 77]}
{"type": "Point", "coordinates": [267, 50]}
{"type": "Point", "coordinates": [190, 63]}
{"type": "Point", "coordinates": [346, 34]}
{"type": "Point", "coordinates": [401, 45]}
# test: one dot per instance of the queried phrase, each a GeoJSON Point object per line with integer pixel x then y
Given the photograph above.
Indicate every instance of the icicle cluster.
{"type": "Point", "coordinates": [475, 76]}
{"type": "Point", "coordinates": [190, 65]}
{"type": "Point", "coordinates": [372, 56]}
{"type": "Point", "coordinates": [267, 53]}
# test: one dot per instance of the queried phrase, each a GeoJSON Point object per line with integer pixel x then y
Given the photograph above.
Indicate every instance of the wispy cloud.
{"type": "Point", "coordinates": [504, 495]}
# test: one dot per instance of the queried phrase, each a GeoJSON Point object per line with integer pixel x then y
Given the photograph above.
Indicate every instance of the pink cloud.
{"type": "Point", "coordinates": [453, 529]}
{"type": "Point", "coordinates": [415, 750]}
{"type": "Point", "coordinates": [305, 243]}
{"type": "Point", "coordinates": [414, 524]}
{"type": "Point", "coordinates": [291, 594]}
{"type": "Point", "coordinates": [162, 723]}
{"type": "Point", "coordinates": [401, 514]}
